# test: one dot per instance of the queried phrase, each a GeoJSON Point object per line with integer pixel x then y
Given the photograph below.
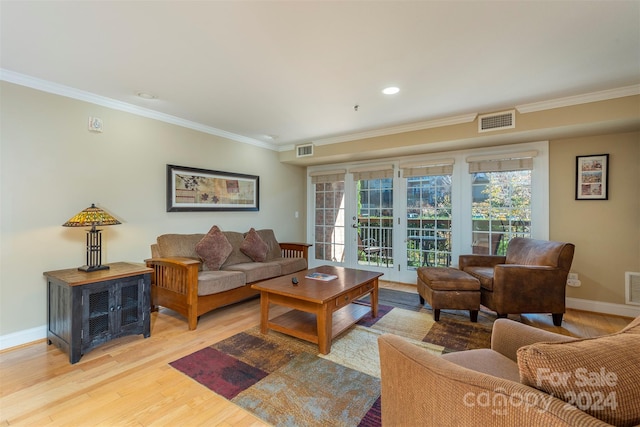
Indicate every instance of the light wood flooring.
{"type": "Point", "coordinates": [128, 382]}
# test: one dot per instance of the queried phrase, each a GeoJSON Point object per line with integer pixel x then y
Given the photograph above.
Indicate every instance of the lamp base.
{"type": "Point", "coordinates": [90, 268]}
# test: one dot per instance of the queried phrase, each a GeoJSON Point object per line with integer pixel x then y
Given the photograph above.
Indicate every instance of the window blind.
{"type": "Point", "coordinates": [327, 176]}
{"type": "Point", "coordinates": [506, 162]}
{"type": "Point", "coordinates": [372, 172]}
{"type": "Point", "coordinates": [440, 167]}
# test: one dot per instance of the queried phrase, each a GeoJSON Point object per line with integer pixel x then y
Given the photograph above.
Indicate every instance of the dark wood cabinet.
{"type": "Point", "coordinates": [88, 309]}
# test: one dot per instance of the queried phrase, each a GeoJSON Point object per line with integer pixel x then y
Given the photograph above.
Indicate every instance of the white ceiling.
{"type": "Point", "coordinates": [296, 69]}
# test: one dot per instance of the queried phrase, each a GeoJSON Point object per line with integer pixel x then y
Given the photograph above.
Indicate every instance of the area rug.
{"type": "Point", "coordinates": [286, 382]}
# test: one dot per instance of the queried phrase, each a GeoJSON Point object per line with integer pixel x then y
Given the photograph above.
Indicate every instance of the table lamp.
{"type": "Point", "coordinates": [92, 216]}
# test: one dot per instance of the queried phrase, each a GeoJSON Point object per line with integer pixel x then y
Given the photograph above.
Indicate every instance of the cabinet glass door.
{"type": "Point", "coordinates": [129, 307]}
{"type": "Point", "coordinates": [97, 319]}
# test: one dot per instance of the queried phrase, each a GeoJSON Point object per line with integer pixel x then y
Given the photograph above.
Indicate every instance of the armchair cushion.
{"type": "Point", "coordinates": [254, 247]}
{"type": "Point", "coordinates": [599, 375]}
{"type": "Point", "coordinates": [483, 274]}
{"type": "Point", "coordinates": [214, 248]}
{"type": "Point", "coordinates": [486, 361]}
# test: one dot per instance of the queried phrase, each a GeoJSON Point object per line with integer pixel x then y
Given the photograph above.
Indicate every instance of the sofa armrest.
{"type": "Point", "coordinates": [480, 261]}
{"type": "Point", "coordinates": [175, 274]}
{"type": "Point", "coordinates": [295, 250]}
{"type": "Point", "coordinates": [508, 336]}
{"type": "Point", "coordinates": [420, 388]}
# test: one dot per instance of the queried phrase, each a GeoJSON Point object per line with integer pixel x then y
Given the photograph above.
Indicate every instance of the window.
{"type": "Point", "coordinates": [429, 214]}
{"type": "Point", "coordinates": [501, 203]}
{"type": "Point", "coordinates": [375, 216]}
{"type": "Point", "coordinates": [451, 203]}
{"type": "Point", "coordinates": [329, 219]}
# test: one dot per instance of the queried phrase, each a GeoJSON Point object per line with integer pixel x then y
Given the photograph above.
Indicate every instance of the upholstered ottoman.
{"type": "Point", "coordinates": [449, 288]}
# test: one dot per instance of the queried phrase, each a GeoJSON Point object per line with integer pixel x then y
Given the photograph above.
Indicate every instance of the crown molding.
{"type": "Point", "coordinates": [586, 98]}
{"type": "Point", "coordinates": [69, 92]}
{"type": "Point", "coordinates": [410, 127]}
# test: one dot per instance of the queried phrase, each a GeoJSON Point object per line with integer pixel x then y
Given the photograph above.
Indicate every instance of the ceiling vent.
{"type": "Point", "coordinates": [305, 150]}
{"type": "Point", "coordinates": [497, 121]}
{"type": "Point", "coordinates": [632, 287]}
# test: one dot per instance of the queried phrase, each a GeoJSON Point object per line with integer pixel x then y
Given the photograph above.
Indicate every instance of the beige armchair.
{"type": "Point", "coordinates": [531, 278]}
{"type": "Point", "coordinates": [483, 387]}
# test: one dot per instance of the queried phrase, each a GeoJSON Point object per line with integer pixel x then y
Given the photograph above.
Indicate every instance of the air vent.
{"type": "Point", "coordinates": [632, 287]}
{"type": "Point", "coordinates": [304, 150]}
{"type": "Point", "coordinates": [497, 121]}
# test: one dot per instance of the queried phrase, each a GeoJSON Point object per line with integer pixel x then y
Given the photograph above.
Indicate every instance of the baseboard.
{"type": "Point", "coordinates": [603, 307]}
{"type": "Point", "coordinates": [23, 337]}
{"type": "Point", "coordinates": [34, 334]}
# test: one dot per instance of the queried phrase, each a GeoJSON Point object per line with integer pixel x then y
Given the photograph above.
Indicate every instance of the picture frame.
{"type": "Point", "coordinates": [193, 189]}
{"type": "Point", "coordinates": [592, 177]}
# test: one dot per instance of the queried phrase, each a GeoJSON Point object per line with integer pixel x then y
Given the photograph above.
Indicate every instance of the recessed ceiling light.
{"type": "Point", "coordinates": [145, 95]}
{"type": "Point", "coordinates": [392, 90]}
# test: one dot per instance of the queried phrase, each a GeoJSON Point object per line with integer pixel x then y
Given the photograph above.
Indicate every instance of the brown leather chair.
{"type": "Point", "coordinates": [531, 278]}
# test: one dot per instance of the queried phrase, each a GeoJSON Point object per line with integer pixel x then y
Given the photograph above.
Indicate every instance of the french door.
{"type": "Point", "coordinates": [397, 217]}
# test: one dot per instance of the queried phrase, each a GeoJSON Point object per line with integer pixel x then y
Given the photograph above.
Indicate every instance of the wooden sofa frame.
{"type": "Point", "coordinates": [174, 285]}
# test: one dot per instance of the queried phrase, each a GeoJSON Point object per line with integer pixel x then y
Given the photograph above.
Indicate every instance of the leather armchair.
{"type": "Point", "coordinates": [531, 278]}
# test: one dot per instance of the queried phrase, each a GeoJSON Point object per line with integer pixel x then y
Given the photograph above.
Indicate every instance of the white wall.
{"type": "Point", "coordinates": [52, 167]}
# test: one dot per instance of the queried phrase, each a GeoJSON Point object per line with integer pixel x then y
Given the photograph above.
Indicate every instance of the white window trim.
{"type": "Point", "coordinates": [461, 186]}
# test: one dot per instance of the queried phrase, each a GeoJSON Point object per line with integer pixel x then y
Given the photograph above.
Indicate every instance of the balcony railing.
{"type": "Point", "coordinates": [428, 241]}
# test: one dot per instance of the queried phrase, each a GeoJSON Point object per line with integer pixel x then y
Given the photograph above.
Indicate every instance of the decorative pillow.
{"type": "Point", "coordinates": [600, 376]}
{"type": "Point", "coordinates": [254, 247]}
{"type": "Point", "coordinates": [214, 248]}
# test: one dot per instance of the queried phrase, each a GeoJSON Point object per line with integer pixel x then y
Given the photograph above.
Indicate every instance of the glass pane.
{"type": "Point", "coordinates": [428, 221]}
{"type": "Point", "coordinates": [375, 222]}
{"type": "Point", "coordinates": [501, 210]}
{"type": "Point", "coordinates": [329, 221]}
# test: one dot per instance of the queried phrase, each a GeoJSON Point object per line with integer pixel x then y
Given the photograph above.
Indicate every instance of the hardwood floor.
{"type": "Point", "coordinates": [128, 381]}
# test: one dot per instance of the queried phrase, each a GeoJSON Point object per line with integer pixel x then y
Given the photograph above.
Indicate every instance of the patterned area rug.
{"type": "Point", "coordinates": [286, 382]}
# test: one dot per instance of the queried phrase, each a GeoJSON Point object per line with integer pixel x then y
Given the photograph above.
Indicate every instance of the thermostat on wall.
{"type": "Point", "coordinates": [95, 124]}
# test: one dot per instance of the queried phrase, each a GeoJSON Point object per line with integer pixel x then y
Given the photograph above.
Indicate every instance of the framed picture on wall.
{"type": "Point", "coordinates": [193, 189]}
{"type": "Point", "coordinates": [592, 177]}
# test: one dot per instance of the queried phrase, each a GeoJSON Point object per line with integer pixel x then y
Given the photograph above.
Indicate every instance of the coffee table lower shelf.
{"type": "Point", "coordinates": [303, 325]}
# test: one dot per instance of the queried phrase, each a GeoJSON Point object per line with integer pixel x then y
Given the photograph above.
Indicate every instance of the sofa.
{"type": "Point", "coordinates": [529, 377]}
{"type": "Point", "coordinates": [530, 278]}
{"type": "Point", "coordinates": [194, 274]}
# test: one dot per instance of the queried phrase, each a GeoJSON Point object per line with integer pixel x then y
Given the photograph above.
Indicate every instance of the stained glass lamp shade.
{"type": "Point", "coordinates": [92, 217]}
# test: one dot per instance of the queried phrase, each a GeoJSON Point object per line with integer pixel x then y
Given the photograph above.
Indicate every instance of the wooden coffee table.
{"type": "Point", "coordinates": [321, 310]}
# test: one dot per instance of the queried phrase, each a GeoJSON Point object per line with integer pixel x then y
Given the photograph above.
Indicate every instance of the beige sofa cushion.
{"type": "Point", "coordinates": [214, 248]}
{"type": "Point", "coordinates": [600, 376]}
{"type": "Point", "coordinates": [255, 271]}
{"type": "Point", "coordinates": [236, 256]}
{"type": "Point", "coordinates": [269, 237]}
{"type": "Point", "coordinates": [179, 245]}
{"type": "Point", "coordinates": [291, 265]}
{"type": "Point", "coordinates": [213, 282]}
{"type": "Point", "coordinates": [254, 247]}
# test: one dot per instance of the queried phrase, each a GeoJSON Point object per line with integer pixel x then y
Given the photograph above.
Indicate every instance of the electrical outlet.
{"type": "Point", "coordinates": [574, 283]}
{"type": "Point", "coordinates": [573, 276]}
